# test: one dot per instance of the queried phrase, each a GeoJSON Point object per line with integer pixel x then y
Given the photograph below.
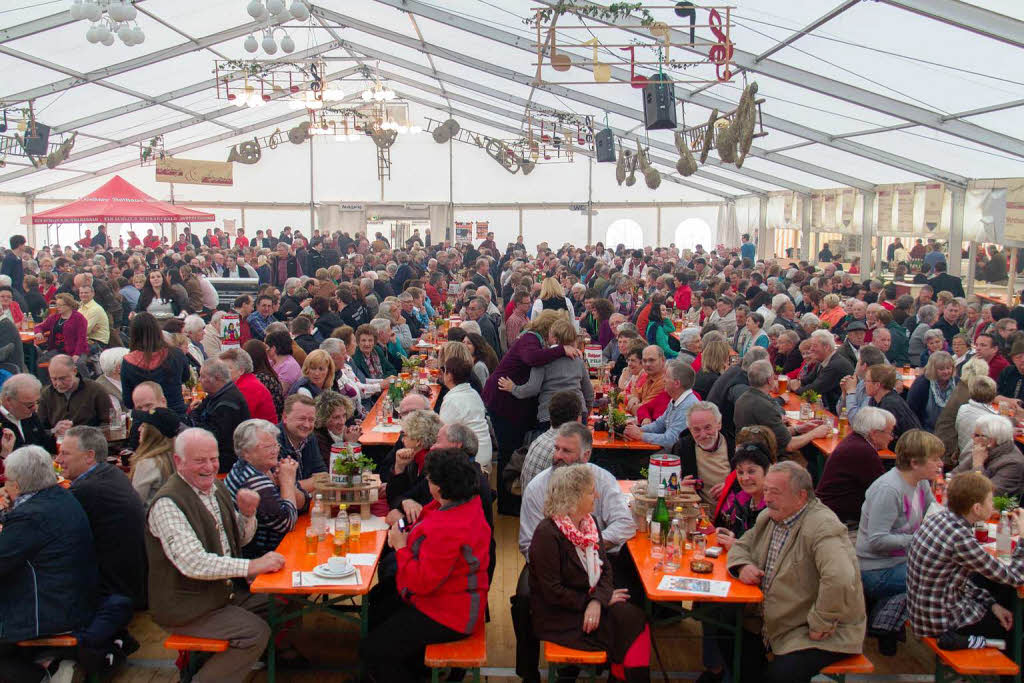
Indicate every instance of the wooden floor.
{"type": "Point", "coordinates": [332, 643]}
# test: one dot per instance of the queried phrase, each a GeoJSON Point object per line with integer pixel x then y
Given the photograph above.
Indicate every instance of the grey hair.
{"type": "Point", "coordinates": [247, 434]}
{"type": "Point", "coordinates": [13, 386]}
{"type": "Point", "coordinates": [705, 407]}
{"type": "Point", "coordinates": [380, 324]}
{"type": "Point", "coordinates": [422, 426]}
{"type": "Point", "coordinates": [928, 313]}
{"type": "Point", "coordinates": [681, 372]}
{"type": "Point", "coordinates": [187, 437]}
{"type": "Point", "coordinates": [809, 319]}
{"type": "Point", "coordinates": [405, 296]}
{"type": "Point", "coordinates": [777, 330]}
{"type": "Point", "coordinates": [110, 359]}
{"type": "Point", "coordinates": [218, 369]}
{"type": "Point", "coordinates": [570, 429]}
{"type": "Point", "coordinates": [934, 334]}
{"type": "Point", "coordinates": [688, 335]}
{"type": "Point", "coordinates": [760, 373]}
{"type": "Point", "coordinates": [332, 345]}
{"type": "Point", "coordinates": [995, 427]}
{"type": "Point", "coordinates": [31, 468]}
{"type": "Point", "coordinates": [471, 326]}
{"type": "Point", "coordinates": [824, 337]}
{"type": "Point", "coordinates": [789, 335]}
{"type": "Point", "coordinates": [460, 433]}
{"type": "Point", "coordinates": [799, 477]}
{"type": "Point", "coordinates": [975, 367]}
{"type": "Point", "coordinates": [623, 327]}
{"type": "Point", "coordinates": [753, 355]}
{"type": "Point", "coordinates": [275, 327]}
{"type": "Point", "coordinates": [238, 357]}
{"type": "Point", "coordinates": [778, 300]}
{"type": "Point", "coordinates": [90, 439]}
{"type": "Point", "coordinates": [292, 283]}
{"type": "Point", "coordinates": [871, 419]}
{"type": "Point", "coordinates": [193, 323]}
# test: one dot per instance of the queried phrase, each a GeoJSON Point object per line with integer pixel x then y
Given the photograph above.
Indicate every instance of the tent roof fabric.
{"type": "Point", "coordinates": [118, 201]}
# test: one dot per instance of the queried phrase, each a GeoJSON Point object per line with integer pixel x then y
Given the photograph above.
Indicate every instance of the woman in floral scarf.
{"type": "Point", "coordinates": [930, 391]}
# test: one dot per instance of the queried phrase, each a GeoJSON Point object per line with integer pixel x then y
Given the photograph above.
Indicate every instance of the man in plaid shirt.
{"type": "Point", "coordinates": [942, 556]}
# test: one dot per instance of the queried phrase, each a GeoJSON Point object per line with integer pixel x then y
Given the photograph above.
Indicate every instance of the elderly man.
{"type": "Point", "coordinates": [757, 407]}
{"type": "Point", "coordinates": [856, 333]}
{"type": "Point", "coordinates": [564, 407]}
{"type": "Point", "coordinates": [666, 429]}
{"type": "Point", "coordinates": [477, 310]}
{"type": "Point", "coordinates": [48, 569]}
{"type": "Point", "coordinates": [256, 394]}
{"type": "Point", "coordinates": [70, 399]}
{"type": "Point", "coordinates": [704, 451]}
{"type": "Point", "coordinates": [98, 329]}
{"type": "Point", "coordinates": [259, 469]}
{"type": "Point", "coordinates": [118, 520]}
{"type": "Point", "coordinates": [223, 409]}
{"type": "Point", "coordinates": [787, 354]}
{"type": "Point", "coordinates": [194, 563]}
{"type": "Point", "coordinates": [855, 464]}
{"type": "Point", "coordinates": [651, 384]}
{"type": "Point", "coordinates": [689, 345]}
{"type": "Point", "coordinates": [827, 375]}
{"type": "Point", "coordinates": [800, 554]}
{"type": "Point", "coordinates": [855, 394]}
{"type": "Point", "coordinates": [262, 317]}
{"type": "Point", "coordinates": [296, 438]}
{"type": "Point", "coordinates": [724, 316]}
{"type": "Point", "coordinates": [732, 384]}
{"type": "Point", "coordinates": [573, 444]}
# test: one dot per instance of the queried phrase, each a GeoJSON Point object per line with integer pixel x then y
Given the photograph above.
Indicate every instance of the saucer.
{"type": "Point", "coordinates": [323, 571]}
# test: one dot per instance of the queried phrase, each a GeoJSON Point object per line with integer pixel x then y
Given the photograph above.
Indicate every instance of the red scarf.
{"type": "Point", "coordinates": [583, 536]}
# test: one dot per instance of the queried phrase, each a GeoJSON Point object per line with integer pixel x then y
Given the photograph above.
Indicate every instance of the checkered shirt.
{"type": "Point", "coordinates": [780, 532]}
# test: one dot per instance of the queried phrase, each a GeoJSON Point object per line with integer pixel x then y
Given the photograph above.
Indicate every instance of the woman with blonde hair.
{"type": "Point", "coordinates": [715, 355]}
{"type": "Point", "coordinates": [317, 374]}
{"type": "Point", "coordinates": [945, 425]}
{"type": "Point", "coordinates": [152, 464]}
{"type": "Point", "coordinates": [831, 312]}
{"type": "Point", "coordinates": [552, 298]}
{"type": "Point", "coordinates": [931, 391]}
{"type": "Point", "coordinates": [573, 603]}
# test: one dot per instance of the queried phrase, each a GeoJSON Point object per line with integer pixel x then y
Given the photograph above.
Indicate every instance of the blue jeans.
{"type": "Point", "coordinates": [880, 584]}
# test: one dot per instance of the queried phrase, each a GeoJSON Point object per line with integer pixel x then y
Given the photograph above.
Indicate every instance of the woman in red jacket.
{"type": "Point", "coordinates": [442, 573]}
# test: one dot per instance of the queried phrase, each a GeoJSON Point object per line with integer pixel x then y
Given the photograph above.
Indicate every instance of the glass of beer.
{"type": "Point", "coordinates": [783, 383]}
{"type": "Point", "coordinates": [340, 546]}
{"type": "Point", "coordinates": [311, 540]}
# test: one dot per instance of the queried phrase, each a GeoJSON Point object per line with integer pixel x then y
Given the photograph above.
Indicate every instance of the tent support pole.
{"type": "Point", "coordinates": [30, 228]}
{"type": "Point", "coordinates": [868, 262]}
{"type": "Point", "coordinates": [1011, 281]}
{"type": "Point", "coordinates": [658, 242]}
{"type": "Point", "coordinates": [451, 194]}
{"type": "Point", "coordinates": [972, 267]}
{"type": "Point", "coordinates": [956, 232]}
{"type": "Point", "coordinates": [590, 201]}
{"type": "Point", "coordinates": [311, 188]}
{"type": "Point", "coordinates": [805, 228]}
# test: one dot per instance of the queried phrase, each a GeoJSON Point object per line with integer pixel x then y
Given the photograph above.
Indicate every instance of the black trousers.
{"type": "Point", "coordinates": [17, 665]}
{"type": "Point", "coordinates": [796, 667]}
{"type": "Point", "coordinates": [510, 437]}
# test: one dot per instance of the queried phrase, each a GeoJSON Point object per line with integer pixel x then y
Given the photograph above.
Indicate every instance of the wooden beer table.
{"type": "Point", "coordinates": [372, 434]}
{"type": "Point", "coordinates": [288, 602]}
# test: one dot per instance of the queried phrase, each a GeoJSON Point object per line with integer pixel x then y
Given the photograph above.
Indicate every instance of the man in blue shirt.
{"type": "Point", "coordinates": [666, 429]}
{"type": "Point", "coordinates": [747, 249]}
{"type": "Point", "coordinates": [261, 318]}
{"type": "Point", "coordinates": [934, 256]}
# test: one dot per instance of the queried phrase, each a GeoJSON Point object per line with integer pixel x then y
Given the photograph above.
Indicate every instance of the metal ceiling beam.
{"type": "Point", "coordinates": [139, 137]}
{"type": "Point", "coordinates": [814, 25]}
{"type": "Point", "coordinates": [968, 17]}
{"type": "Point", "coordinates": [516, 117]}
{"type": "Point", "coordinates": [511, 129]}
{"type": "Point", "coordinates": [702, 100]}
{"type": "Point", "coordinates": [100, 82]}
{"type": "Point", "coordinates": [132, 64]}
{"type": "Point", "coordinates": [840, 90]}
{"type": "Point", "coordinates": [283, 118]}
{"type": "Point", "coordinates": [179, 93]}
{"type": "Point", "coordinates": [598, 103]}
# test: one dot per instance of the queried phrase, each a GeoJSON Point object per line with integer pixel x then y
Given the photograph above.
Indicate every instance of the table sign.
{"type": "Point", "coordinates": [230, 331]}
{"type": "Point", "coordinates": [687, 584]}
{"type": "Point", "coordinates": [592, 353]}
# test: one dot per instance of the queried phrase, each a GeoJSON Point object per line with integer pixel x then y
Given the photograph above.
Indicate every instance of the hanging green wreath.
{"type": "Point", "coordinates": [609, 14]}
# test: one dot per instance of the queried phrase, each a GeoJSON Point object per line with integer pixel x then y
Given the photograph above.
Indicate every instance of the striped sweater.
{"type": "Point", "coordinates": [275, 515]}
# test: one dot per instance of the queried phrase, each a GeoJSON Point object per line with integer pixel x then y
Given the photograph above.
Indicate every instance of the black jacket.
{"type": "Point", "coordinates": [35, 433]}
{"type": "Point", "coordinates": [720, 393]}
{"type": "Point", "coordinates": [118, 521]}
{"type": "Point", "coordinates": [354, 315]}
{"type": "Point", "coordinates": [826, 378]}
{"type": "Point", "coordinates": [307, 343]}
{"type": "Point", "coordinates": [944, 282]}
{"type": "Point", "coordinates": [47, 567]}
{"type": "Point", "coordinates": [490, 333]}
{"type": "Point", "coordinates": [221, 413]}
{"type": "Point", "coordinates": [900, 409]}
{"type": "Point", "coordinates": [328, 323]}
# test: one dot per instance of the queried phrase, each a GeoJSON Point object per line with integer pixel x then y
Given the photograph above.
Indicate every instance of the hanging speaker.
{"type": "Point", "coordinates": [659, 105]}
{"type": "Point", "coordinates": [605, 144]}
{"type": "Point", "coordinates": [37, 145]}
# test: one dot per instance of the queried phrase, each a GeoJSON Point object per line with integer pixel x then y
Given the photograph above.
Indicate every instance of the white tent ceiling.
{"type": "Point", "coordinates": [858, 93]}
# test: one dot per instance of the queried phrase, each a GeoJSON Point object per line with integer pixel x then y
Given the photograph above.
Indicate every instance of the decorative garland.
{"type": "Point", "coordinates": [610, 14]}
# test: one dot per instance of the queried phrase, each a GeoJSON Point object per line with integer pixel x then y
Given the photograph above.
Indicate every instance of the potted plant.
{"type": "Point", "coordinates": [615, 397]}
{"type": "Point", "coordinates": [616, 421]}
{"type": "Point", "coordinates": [411, 363]}
{"type": "Point", "coordinates": [397, 391]}
{"type": "Point", "coordinates": [1005, 503]}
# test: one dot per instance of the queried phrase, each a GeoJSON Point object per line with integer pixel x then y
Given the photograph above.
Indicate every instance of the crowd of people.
{"type": "Point", "coordinates": [179, 516]}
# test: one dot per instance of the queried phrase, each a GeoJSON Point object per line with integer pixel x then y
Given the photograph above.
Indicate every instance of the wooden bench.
{"type": "Point", "coordinates": [854, 664]}
{"type": "Point", "coordinates": [65, 640]}
{"type": "Point", "coordinates": [558, 656]}
{"type": "Point", "coordinates": [970, 663]}
{"type": "Point", "coordinates": [191, 644]}
{"type": "Point", "coordinates": [469, 653]}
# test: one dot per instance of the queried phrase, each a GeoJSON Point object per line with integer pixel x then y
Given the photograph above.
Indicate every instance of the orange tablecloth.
{"type": "Point", "coordinates": [640, 549]}
{"type": "Point", "coordinates": [603, 440]}
{"type": "Point", "coordinates": [828, 444]}
{"type": "Point", "coordinates": [372, 438]}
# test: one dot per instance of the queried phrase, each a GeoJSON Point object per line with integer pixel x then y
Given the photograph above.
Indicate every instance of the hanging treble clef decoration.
{"type": "Point", "coordinates": [317, 83]}
{"type": "Point", "coordinates": [720, 53]}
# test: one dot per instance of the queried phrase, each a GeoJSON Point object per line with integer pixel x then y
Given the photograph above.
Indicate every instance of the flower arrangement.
{"type": "Point", "coordinates": [397, 391]}
{"type": "Point", "coordinates": [412, 362]}
{"type": "Point", "coordinates": [615, 397]}
{"type": "Point", "coordinates": [1005, 503]}
{"type": "Point", "coordinates": [616, 420]}
{"type": "Point", "coordinates": [811, 396]}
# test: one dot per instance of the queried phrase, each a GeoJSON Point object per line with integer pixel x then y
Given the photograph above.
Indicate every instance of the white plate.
{"type": "Point", "coordinates": [322, 571]}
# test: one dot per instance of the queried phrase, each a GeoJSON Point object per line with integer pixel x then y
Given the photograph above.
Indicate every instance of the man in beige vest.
{"type": "Point", "coordinates": [196, 571]}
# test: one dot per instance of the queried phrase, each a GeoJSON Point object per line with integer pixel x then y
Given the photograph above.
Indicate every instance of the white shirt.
{"type": "Point", "coordinates": [13, 420]}
{"type": "Point", "coordinates": [463, 405]}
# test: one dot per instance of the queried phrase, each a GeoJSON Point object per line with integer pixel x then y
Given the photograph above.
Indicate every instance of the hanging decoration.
{"type": "Point", "coordinates": [152, 151]}
{"type": "Point", "coordinates": [109, 18]}
{"type": "Point", "coordinates": [499, 150]}
{"type": "Point", "coordinates": [731, 134]}
{"type": "Point", "coordinates": [273, 13]}
{"type": "Point", "coordinates": [254, 82]}
{"type": "Point", "coordinates": [31, 139]}
{"type": "Point", "coordinates": [654, 53]}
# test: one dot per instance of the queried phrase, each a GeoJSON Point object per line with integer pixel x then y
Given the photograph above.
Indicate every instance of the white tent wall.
{"type": "Point", "coordinates": [504, 223]}
{"type": "Point", "coordinates": [554, 226]}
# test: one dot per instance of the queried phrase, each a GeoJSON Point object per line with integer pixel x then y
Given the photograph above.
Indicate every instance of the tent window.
{"type": "Point", "coordinates": [625, 231]}
{"type": "Point", "coordinates": [694, 231]}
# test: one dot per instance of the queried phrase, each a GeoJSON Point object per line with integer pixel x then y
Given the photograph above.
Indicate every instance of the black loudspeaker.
{"type": "Point", "coordinates": [37, 145]}
{"type": "Point", "coordinates": [605, 141]}
{"type": "Point", "coordinates": [660, 105]}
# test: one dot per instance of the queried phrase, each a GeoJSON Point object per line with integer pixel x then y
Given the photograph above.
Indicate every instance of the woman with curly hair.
{"type": "Point", "coordinates": [333, 412]}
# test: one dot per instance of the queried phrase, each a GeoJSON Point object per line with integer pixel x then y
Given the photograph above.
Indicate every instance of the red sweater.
{"type": "Point", "coordinates": [75, 343]}
{"type": "Point", "coordinates": [654, 408]}
{"type": "Point", "coordinates": [261, 403]}
{"type": "Point", "coordinates": [996, 365]}
{"type": "Point", "coordinates": [442, 570]}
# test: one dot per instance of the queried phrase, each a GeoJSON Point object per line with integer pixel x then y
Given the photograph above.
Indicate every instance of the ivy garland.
{"type": "Point", "coordinates": [610, 14]}
{"type": "Point", "coordinates": [249, 68]}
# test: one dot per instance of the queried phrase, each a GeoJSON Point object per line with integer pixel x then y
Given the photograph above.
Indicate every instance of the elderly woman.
{"type": "Point", "coordinates": [855, 463]}
{"type": "Point", "coordinates": [552, 297]}
{"type": "Point", "coordinates": [563, 374]}
{"type": "Point", "coordinates": [931, 391]}
{"type": "Point", "coordinates": [934, 341]}
{"type": "Point", "coordinates": [994, 453]}
{"type": "Point", "coordinates": [391, 311]}
{"type": "Point", "coordinates": [809, 323]}
{"type": "Point", "coordinates": [927, 316]}
{"type": "Point", "coordinates": [257, 396]}
{"type": "Point", "coordinates": [211, 335]}
{"type": "Point", "coordinates": [945, 426]}
{"type": "Point", "coordinates": [982, 392]}
{"type": "Point", "coordinates": [333, 412]}
{"type": "Point", "coordinates": [757, 336]}
{"type": "Point", "coordinates": [389, 338]}
{"type": "Point", "coordinates": [152, 463]}
{"type": "Point", "coordinates": [49, 571]}
{"type": "Point", "coordinates": [64, 331]}
{"type": "Point", "coordinates": [370, 359]}
{"type": "Point", "coordinates": [960, 351]}
{"type": "Point", "coordinates": [274, 480]}
{"type": "Point", "coordinates": [110, 369]}
{"type": "Point", "coordinates": [462, 404]}
{"type": "Point", "coordinates": [419, 432]}
{"type": "Point", "coordinates": [442, 580]}
{"type": "Point", "coordinates": [317, 375]}
{"type": "Point", "coordinates": [634, 366]}
{"type": "Point", "coordinates": [571, 596]}
{"type": "Point", "coordinates": [894, 508]}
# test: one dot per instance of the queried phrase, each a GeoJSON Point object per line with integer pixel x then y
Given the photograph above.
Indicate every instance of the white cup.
{"type": "Point", "coordinates": [338, 565]}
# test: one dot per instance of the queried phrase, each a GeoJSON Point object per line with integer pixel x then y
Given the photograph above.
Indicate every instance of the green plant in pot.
{"type": "Point", "coordinates": [1005, 503]}
{"type": "Point", "coordinates": [411, 363]}
{"type": "Point", "coordinates": [616, 421]}
{"type": "Point", "coordinates": [811, 396]}
{"type": "Point", "coordinates": [397, 391]}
